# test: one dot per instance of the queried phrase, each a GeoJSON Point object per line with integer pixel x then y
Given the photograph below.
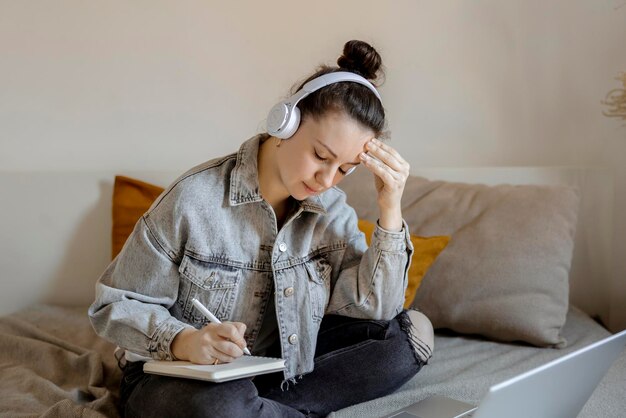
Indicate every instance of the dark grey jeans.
{"type": "Point", "coordinates": [356, 360]}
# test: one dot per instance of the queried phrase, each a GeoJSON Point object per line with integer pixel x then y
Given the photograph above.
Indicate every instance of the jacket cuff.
{"type": "Point", "coordinates": [160, 344]}
{"type": "Point", "coordinates": [392, 241]}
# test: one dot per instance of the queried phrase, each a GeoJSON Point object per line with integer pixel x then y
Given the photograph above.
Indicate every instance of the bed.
{"type": "Point", "coordinates": [494, 319]}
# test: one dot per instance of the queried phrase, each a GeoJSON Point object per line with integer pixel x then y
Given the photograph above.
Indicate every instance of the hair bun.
{"type": "Point", "coordinates": [361, 58]}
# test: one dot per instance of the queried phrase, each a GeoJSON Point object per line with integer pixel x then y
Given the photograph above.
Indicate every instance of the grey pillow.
{"type": "Point", "coordinates": [504, 274]}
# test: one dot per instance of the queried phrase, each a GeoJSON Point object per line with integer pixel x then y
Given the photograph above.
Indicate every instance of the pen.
{"type": "Point", "coordinates": [211, 317]}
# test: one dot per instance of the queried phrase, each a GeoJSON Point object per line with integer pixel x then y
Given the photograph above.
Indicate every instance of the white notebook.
{"type": "Point", "coordinates": [244, 366]}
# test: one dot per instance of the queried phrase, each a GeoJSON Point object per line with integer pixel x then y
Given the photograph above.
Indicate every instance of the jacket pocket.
{"type": "Point", "coordinates": [319, 271]}
{"type": "Point", "coordinates": [214, 285]}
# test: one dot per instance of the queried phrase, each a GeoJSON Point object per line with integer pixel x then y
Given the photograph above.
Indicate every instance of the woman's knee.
{"type": "Point", "coordinates": [421, 334]}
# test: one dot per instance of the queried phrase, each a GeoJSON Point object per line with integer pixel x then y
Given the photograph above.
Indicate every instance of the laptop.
{"type": "Point", "coordinates": [558, 389]}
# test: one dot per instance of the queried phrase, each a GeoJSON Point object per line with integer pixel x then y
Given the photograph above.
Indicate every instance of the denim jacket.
{"type": "Point", "coordinates": [211, 236]}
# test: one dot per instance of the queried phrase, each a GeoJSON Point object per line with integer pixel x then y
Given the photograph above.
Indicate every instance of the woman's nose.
{"type": "Point", "coordinates": [325, 178]}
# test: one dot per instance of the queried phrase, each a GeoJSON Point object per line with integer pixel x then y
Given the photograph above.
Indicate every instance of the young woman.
{"type": "Point", "coordinates": [267, 243]}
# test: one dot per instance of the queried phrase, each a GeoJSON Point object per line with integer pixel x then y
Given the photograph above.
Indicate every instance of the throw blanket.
{"type": "Point", "coordinates": [52, 364]}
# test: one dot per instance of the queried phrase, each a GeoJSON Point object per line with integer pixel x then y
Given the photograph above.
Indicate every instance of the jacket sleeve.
{"type": "Point", "coordinates": [135, 292]}
{"type": "Point", "coordinates": [370, 282]}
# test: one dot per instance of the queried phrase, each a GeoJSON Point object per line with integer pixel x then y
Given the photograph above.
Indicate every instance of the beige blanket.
{"type": "Point", "coordinates": [52, 364]}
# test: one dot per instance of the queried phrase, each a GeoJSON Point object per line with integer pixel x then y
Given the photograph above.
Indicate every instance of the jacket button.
{"type": "Point", "coordinates": [282, 247]}
{"type": "Point", "coordinates": [289, 291]}
{"type": "Point", "coordinates": [293, 339]}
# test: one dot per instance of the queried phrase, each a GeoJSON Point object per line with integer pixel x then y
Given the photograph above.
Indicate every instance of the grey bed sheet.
{"type": "Point", "coordinates": [465, 367]}
{"type": "Point", "coordinates": [52, 364]}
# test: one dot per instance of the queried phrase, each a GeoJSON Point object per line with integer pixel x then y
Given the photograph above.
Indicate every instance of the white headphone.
{"type": "Point", "coordinates": [284, 118]}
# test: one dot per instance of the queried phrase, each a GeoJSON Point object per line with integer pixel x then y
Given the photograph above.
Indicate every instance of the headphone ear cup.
{"type": "Point", "coordinates": [292, 124]}
{"type": "Point", "coordinates": [277, 119]}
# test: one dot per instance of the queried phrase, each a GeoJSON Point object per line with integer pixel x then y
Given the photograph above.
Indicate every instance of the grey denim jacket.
{"type": "Point", "coordinates": [211, 236]}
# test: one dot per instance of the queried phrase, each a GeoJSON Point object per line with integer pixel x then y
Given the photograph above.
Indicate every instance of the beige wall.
{"type": "Point", "coordinates": [141, 85]}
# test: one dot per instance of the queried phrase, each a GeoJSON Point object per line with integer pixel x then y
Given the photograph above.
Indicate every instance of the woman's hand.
{"type": "Point", "coordinates": [391, 172]}
{"type": "Point", "coordinates": [223, 342]}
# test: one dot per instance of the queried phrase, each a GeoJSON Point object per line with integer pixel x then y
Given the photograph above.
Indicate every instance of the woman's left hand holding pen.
{"type": "Point", "coordinates": [223, 342]}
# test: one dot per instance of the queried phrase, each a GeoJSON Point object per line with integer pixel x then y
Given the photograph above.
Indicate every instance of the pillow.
{"type": "Point", "coordinates": [504, 274]}
{"type": "Point", "coordinates": [131, 199]}
{"type": "Point", "coordinates": [426, 250]}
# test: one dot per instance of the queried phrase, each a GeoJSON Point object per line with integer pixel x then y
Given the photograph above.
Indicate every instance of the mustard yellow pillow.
{"type": "Point", "coordinates": [426, 250]}
{"type": "Point", "coordinates": [131, 199]}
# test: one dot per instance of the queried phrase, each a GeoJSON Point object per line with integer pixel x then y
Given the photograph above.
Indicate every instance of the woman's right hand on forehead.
{"type": "Point", "coordinates": [390, 172]}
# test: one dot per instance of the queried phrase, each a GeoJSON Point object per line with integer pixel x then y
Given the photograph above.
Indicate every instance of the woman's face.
{"type": "Point", "coordinates": [320, 153]}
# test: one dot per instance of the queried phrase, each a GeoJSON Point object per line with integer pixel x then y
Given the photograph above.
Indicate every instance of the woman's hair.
{"type": "Point", "coordinates": [355, 100]}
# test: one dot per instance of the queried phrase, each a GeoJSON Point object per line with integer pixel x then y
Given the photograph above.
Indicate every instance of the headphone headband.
{"type": "Point", "coordinates": [336, 77]}
{"type": "Point", "coordinates": [284, 118]}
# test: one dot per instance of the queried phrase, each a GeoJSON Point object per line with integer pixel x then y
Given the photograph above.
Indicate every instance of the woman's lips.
{"type": "Point", "coordinates": [310, 190]}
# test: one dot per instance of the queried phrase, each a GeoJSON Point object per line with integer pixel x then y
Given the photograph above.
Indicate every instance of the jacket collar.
{"type": "Point", "coordinates": [244, 179]}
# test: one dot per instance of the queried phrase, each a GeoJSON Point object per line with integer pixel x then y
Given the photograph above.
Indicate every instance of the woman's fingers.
{"type": "Point", "coordinates": [387, 155]}
{"type": "Point", "coordinates": [382, 170]}
{"type": "Point", "coordinates": [387, 174]}
{"type": "Point", "coordinates": [223, 342]}
{"type": "Point", "coordinates": [231, 340]}
{"type": "Point", "coordinates": [227, 351]}
{"type": "Point", "coordinates": [234, 332]}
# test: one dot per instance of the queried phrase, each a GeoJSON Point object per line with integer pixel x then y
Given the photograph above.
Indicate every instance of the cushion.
{"type": "Point", "coordinates": [131, 199]}
{"type": "Point", "coordinates": [426, 250]}
{"type": "Point", "coordinates": [504, 274]}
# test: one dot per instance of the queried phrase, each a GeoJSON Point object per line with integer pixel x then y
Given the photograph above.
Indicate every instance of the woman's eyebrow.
{"type": "Point", "coordinates": [332, 152]}
{"type": "Point", "coordinates": [327, 148]}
